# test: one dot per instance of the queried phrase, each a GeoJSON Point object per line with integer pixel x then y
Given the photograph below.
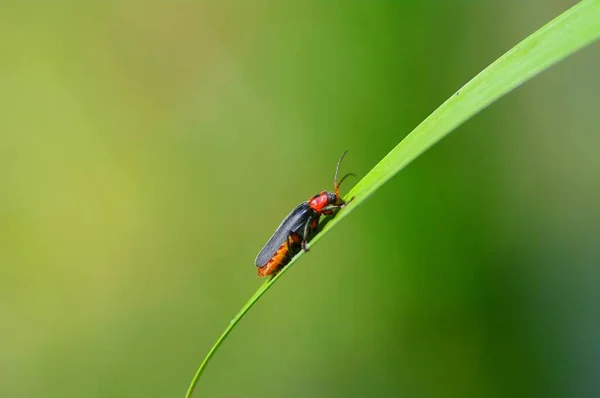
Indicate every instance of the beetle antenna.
{"type": "Point", "coordinates": [343, 178]}
{"type": "Point", "coordinates": [336, 186]}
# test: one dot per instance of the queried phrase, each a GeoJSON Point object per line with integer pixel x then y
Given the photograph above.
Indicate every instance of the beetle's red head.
{"type": "Point", "coordinates": [325, 199]}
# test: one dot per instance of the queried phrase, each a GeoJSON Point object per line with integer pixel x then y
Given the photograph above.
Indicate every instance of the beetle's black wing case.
{"type": "Point", "coordinates": [294, 222]}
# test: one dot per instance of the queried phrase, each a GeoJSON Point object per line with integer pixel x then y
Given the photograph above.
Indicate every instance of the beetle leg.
{"type": "Point", "coordinates": [314, 224]}
{"type": "Point", "coordinates": [306, 231]}
{"type": "Point", "coordinates": [330, 209]}
{"type": "Point", "coordinates": [293, 237]}
{"type": "Point", "coordinates": [289, 248]}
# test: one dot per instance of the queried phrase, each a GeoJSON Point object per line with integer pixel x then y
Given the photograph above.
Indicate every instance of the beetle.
{"type": "Point", "coordinates": [299, 227]}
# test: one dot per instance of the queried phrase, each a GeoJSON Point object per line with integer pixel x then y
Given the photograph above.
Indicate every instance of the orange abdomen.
{"type": "Point", "coordinates": [280, 258]}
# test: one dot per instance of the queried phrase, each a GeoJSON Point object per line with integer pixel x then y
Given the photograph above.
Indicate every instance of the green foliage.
{"type": "Point", "coordinates": [572, 30]}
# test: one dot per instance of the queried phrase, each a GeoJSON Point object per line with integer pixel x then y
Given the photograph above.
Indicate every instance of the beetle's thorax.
{"type": "Point", "coordinates": [322, 200]}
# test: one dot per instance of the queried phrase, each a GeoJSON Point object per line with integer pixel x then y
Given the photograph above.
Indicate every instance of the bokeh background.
{"type": "Point", "coordinates": [149, 149]}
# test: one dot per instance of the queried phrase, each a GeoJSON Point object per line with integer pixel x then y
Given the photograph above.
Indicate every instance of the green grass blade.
{"type": "Point", "coordinates": [570, 31]}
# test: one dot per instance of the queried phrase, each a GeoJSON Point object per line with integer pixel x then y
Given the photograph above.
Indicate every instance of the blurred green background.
{"type": "Point", "coordinates": [149, 149]}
